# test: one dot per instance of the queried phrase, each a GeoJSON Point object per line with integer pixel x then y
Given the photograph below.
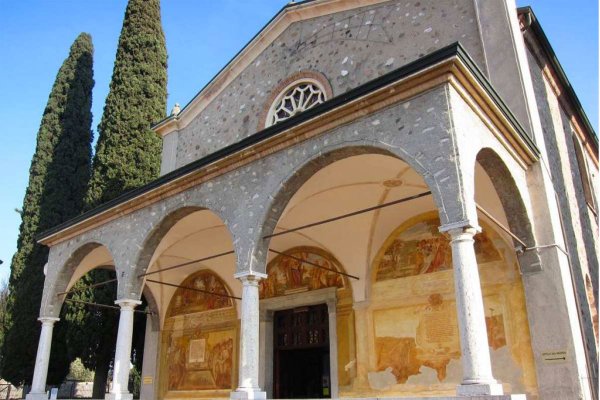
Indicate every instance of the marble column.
{"type": "Point", "coordinates": [333, 349]}
{"type": "Point", "coordinates": [248, 387]}
{"type": "Point", "coordinates": [38, 385]}
{"type": "Point", "coordinates": [119, 390]}
{"type": "Point", "coordinates": [477, 367]}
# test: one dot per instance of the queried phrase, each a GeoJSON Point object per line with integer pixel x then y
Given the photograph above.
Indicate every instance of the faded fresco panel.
{"type": "Point", "coordinates": [199, 340]}
{"type": "Point", "coordinates": [415, 339]}
{"type": "Point", "coordinates": [422, 249]}
{"type": "Point", "coordinates": [200, 360]}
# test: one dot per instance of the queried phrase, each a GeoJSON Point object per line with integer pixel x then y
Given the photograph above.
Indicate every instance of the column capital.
{"type": "Point", "coordinates": [127, 303]}
{"type": "Point", "coordinates": [250, 277]}
{"type": "Point", "coordinates": [48, 320]}
{"type": "Point", "coordinates": [361, 305]}
{"type": "Point", "coordinates": [457, 228]}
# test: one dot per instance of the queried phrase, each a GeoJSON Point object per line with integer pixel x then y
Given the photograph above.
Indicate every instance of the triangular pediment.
{"type": "Point", "coordinates": [289, 14]}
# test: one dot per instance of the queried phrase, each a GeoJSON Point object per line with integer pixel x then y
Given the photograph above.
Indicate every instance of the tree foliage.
{"type": "Point", "coordinates": [91, 331]}
{"type": "Point", "coordinates": [78, 372]}
{"type": "Point", "coordinates": [58, 178]}
{"type": "Point", "coordinates": [3, 304]}
{"type": "Point", "coordinates": [127, 156]}
{"type": "Point", "coordinates": [128, 151]}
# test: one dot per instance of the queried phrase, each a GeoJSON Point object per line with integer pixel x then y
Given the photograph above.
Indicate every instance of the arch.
{"type": "Point", "coordinates": [61, 280]}
{"type": "Point", "coordinates": [156, 235]}
{"type": "Point", "coordinates": [512, 202]}
{"type": "Point", "coordinates": [295, 179]}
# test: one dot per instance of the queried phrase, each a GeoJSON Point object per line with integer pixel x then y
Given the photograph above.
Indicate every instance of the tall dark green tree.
{"type": "Point", "coordinates": [58, 178]}
{"type": "Point", "coordinates": [127, 156]}
{"type": "Point", "coordinates": [128, 151]}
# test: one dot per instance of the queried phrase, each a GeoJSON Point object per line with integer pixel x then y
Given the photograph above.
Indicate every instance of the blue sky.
{"type": "Point", "coordinates": [202, 36]}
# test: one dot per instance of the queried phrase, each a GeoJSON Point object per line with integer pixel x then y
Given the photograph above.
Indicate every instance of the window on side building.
{"type": "Point", "coordinates": [588, 191]}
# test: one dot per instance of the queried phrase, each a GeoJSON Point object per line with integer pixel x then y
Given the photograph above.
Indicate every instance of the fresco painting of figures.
{"type": "Point", "coordinates": [421, 249]}
{"type": "Point", "coordinates": [192, 301]}
{"type": "Point", "coordinates": [200, 361]}
{"type": "Point", "coordinates": [290, 274]}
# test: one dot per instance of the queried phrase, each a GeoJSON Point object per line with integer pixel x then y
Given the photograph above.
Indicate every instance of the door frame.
{"type": "Point", "coordinates": [309, 298]}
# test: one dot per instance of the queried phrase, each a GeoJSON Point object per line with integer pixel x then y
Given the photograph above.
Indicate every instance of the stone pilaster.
{"type": "Point", "coordinates": [477, 367]}
{"type": "Point", "coordinates": [248, 387]}
{"type": "Point", "coordinates": [120, 381]}
{"type": "Point", "coordinates": [362, 347]}
{"type": "Point", "coordinates": [38, 385]}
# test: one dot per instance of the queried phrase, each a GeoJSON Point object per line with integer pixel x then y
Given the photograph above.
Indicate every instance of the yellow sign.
{"type": "Point", "coordinates": [147, 380]}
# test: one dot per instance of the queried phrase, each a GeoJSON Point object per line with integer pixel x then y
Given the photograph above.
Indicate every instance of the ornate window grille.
{"type": "Point", "coordinates": [297, 97]}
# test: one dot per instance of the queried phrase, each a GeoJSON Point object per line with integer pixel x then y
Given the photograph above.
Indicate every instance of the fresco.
{"type": "Point", "coordinates": [422, 249]}
{"type": "Point", "coordinates": [288, 275]}
{"type": "Point", "coordinates": [431, 339]}
{"type": "Point", "coordinates": [189, 301]}
{"type": "Point", "coordinates": [415, 341]}
{"type": "Point", "coordinates": [200, 360]}
{"type": "Point", "coordinates": [199, 339]}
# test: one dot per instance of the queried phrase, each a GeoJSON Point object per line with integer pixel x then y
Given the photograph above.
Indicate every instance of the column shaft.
{"type": "Point", "coordinates": [477, 369]}
{"type": "Point", "coordinates": [120, 381]}
{"type": "Point", "coordinates": [249, 339]}
{"type": "Point", "coordinates": [38, 385]}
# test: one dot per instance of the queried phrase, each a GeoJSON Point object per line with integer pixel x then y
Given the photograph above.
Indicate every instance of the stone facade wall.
{"type": "Point", "coordinates": [579, 222]}
{"type": "Point", "coordinates": [250, 200]}
{"type": "Point", "coordinates": [349, 48]}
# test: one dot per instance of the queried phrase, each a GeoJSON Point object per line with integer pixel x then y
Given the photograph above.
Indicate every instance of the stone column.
{"type": "Point", "coordinates": [38, 385]}
{"type": "Point", "coordinates": [120, 381]}
{"type": "Point", "coordinates": [149, 371]}
{"type": "Point", "coordinates": [333, 349]}
{"type": "Point", "coordinates": [248, 387]}
{"type": "Point", "coordinates": [477, 367]}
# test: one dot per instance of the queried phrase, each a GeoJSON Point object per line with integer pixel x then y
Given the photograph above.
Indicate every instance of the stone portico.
{"type": "Point", "coordinates": [228, 216]}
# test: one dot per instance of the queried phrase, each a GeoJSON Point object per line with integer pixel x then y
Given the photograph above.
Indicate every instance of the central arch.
{"type": "Point", "coordinates": [338, 182]}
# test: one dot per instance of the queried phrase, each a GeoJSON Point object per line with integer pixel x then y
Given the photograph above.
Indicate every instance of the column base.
{"type": "Point", "coordinates": [37, 396]}
{"type": "Point", "coordinates": [248, 394]}
{"type": "Point", "coordinates": [480, 389]}
{"type": "Point", "coordinates": [119, 396]}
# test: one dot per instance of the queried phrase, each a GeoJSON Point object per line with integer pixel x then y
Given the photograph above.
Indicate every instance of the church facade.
{"type": "Point", "coordinates": [372, 199]}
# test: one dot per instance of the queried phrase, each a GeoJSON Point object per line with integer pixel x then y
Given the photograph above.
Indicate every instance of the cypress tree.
{"type": "Point", "coordinates": [58, 178]}
{"type": "Point", "coordinates": [128, 151]}
{"type": "Point", "coordinates": [127, 156]}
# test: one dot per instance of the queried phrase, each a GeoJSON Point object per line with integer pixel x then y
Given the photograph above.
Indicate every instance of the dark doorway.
{"type": "Point", "coordinates": [301, 353]}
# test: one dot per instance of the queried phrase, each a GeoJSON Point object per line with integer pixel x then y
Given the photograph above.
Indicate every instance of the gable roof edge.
{"type": "Point", "coordinates": [290, 13]}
